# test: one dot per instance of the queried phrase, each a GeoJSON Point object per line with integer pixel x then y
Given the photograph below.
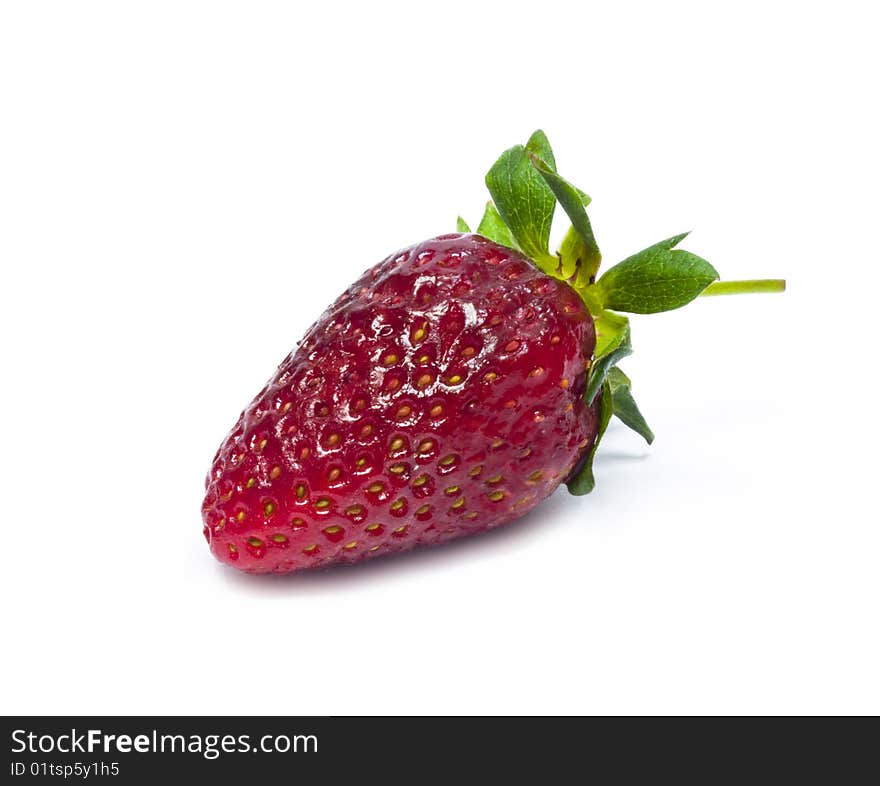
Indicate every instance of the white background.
{"type": "Point", "coordinates": [183, 187]}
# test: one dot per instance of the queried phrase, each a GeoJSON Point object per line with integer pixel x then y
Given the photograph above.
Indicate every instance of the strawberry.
{"type": "Point", "coordinates": [449, 390]}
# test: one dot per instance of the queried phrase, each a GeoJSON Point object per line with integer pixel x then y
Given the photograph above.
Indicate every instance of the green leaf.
{"type": "Point", "coordinates": [583, 481]}
{"type": "Point", "coordinates": [609, 326]}
{"type": "Point", "coordinates": [461, 226]}
{"type": "Point", "coordinates": [624, 404]}
{"type": "Point", "coordinates": [580, 261]}
{"type": "Point", "coordinates": [656, 279]}
{"type": "Point", "coordinates": [539, 145]}
{"type": "Point", "coordinates": [571, 249]}
{"type": "Point", "coordinates": [493, 227]}
{"type": "Point", "coordinates": [615, 346]}
{"type": "Point", "coordinates": [524, 201]}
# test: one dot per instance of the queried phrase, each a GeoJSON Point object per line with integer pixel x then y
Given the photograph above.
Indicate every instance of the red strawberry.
{"type": "Point", "coordinates": [441, 395]}
{"type": "Point", "coordinates": [449, 390]}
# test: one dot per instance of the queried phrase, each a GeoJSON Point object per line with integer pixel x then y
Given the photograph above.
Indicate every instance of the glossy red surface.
{"type": "Point", "coordinates": [441, 395]}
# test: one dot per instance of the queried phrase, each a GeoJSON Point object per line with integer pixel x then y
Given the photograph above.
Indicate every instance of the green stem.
{"type": "Point", "coordinates": [744, 287]}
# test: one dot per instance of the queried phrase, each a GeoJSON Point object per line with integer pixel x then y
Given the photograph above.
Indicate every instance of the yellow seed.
{"type": "Point", "coordinates": [334, 474]}
{"type": "Point", "coordinates": [400, 530]}
{"type": "Point", "coordinates": [300, 491]}
{"type": "Point", "coordinates": [536, 476]}
{"type": "Point", "coordinates": [397, 469]}
{"type": "Point", "coordinates": [220, 525]}
{"type": "Point", "coordinates": [373, 527]}
{"type": "Point", "coordinates": [269, 508]}
{"type": "Point", "coordinates": [476, 471]}
{"type": "Point", "coordinates": [436, 410]}
{"type": "Point", "coordinates": [424, 380]}
{"type": "Point", "coordinates": [311, 549]}
{"type": "Point", "coordinates": [304, 454]}
{"type": "Point", "coordinates": [583, 443]}
{"type": "Point", "coordinates": [524, 453]}
{"type": "Point", "coordinates": [297, 523]}
{"type": "Point", "coordinates": [511, 346]}
{"type": "Point", "coordinates": [286, 407]}
{"type": "Point", "coordinates": [360, 462]}
{"type": "Point", "coordinates": [332, 440]}
{"type": "Point", "coordinates": [490, 376]}
{"type": "Point", "coordinates": [232, 549]}
{"type": "Point", "coordinates": [468, 352]}
{"type": "Point", "coordinates": [255, 542]}
{"type": "Point", "coordinates": [423, 360]}
{"type": "Point", "coordinates": [390, 359]}
{"type": "Point", "coordinates": [494, 480]}
{"type": "Point", "coordinates": [404, 412]}
{"type": "Point", "coordinates": [423, 510]}
{"type": "Point", "coordinates": [421, 480]}
{"type": "Point", "coordinates": [322, 504]}
{"type": "Point", "coordinates": [279, 538]}
{"type": "Point", "coordinates": [538, 417]}
{"type": "Point", "coordinates": [419, 333]}
{"type": "Point", "coordinates": [351, 545]}
{"type": "Point", "coordinates": [496, 496]}
{"type": "Point", "coordinates": [240, 515]}
{"type": "Point", "coordinates": [374, 548]}
{"type": "Point", "coordinates": [398, 504]}
{"type": "Point", "coordinates": [375, 488]}
{"type": "Point", "coordinates": [426, 446]}
{"type": "Point", "coordinates": [392, 384]}
{"type": "Point", "coordinates": [263, 443]}
{"type": "Point", "coordinates": [496, 443]}
{"type": "Point", "coordinates": [536, 371]}
{"type": "Point", "coordinates": [366, 431]}
{"type": "Point", "coordinates": [555, 340]}
{"type": "Point", "coordinates": [333, 530]}
{"type": "Point", "coordinates": [275, 472]}
{"type": "Point", "coordinates": [250, 483]}
{"type": "Point", "coordinates": [448, 460]}
{"type": "Point", "coordinates": [454, 379]}
{"type": "Point", "coordinates": [354, 510]}
{"type": "Point", "coordinates": [510, 403]}
{"type": "Point", "coordinates": [459, 503]}
{"type": "Point", "coordinates": [563, 383]}
{"type": "Point", "coordinates": [396, 444]}
{"type": "Point", "coordinates": [451, 490]}
{"type": "Point", "coordinates": [569, 407]}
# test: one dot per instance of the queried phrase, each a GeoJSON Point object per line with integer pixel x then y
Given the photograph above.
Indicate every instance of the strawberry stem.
{"type": "Point", "coordinates": [525, 189]}
{"type": "Point", "coordinates": [747, 287]}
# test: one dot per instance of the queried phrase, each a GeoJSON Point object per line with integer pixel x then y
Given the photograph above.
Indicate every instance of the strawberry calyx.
{"type": "Point", "coordinates": [525, 189]}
